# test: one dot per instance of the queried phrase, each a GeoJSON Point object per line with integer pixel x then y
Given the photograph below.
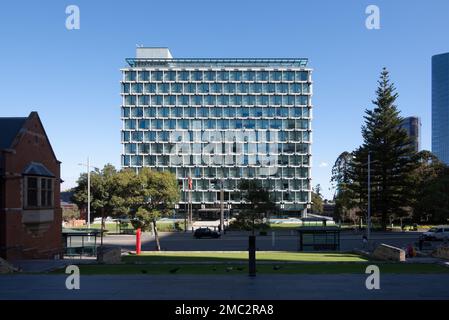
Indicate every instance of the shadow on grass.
{"type": "Point", "coordinates": [230, 257]}
{"type": "Point", "coordinates": [326, 268]}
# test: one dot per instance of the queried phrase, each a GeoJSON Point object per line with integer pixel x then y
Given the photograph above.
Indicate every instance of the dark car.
{"type": "Point", "coordinates": [205, 233]}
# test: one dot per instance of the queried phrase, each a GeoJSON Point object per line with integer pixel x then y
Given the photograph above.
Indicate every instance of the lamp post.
{"type": "Point", "coordinates": [368, 227]}
{"type": "Point", "coordinates": [228, 215]}
{"type": "Point", "coordinates": [88, 166]}
{"type": "Point", "coordinates": [221, 205]}
{"type": "Point", "coordinates": [175, 211]}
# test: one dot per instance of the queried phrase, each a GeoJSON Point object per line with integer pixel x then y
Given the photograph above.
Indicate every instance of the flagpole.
{"type": "Point", "coordinates": [186, 206]}
{"type": "Point", "coordinates": [190, 201]}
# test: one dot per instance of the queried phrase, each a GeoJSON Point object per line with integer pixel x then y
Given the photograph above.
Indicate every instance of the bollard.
{"type": "Point", "coordinates": [138, 241]}
{"type": "Point", "coordinates": [252, 256]}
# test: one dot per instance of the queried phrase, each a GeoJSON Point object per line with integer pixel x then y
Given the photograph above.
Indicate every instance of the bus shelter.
{"type": "Point", "coordinates": [79, 242]}
{"type": "Point", "coordinates": [319, 238]}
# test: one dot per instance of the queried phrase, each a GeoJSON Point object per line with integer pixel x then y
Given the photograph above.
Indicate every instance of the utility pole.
{"type": "Point", "coordinates": [87, 165]}
{"type": "Point", "coordinates": [368, 227]}
{"type": "Point", "coordinates": [191, 209]}
{"type": "Point", "coordinates": [185, 205]}
{"type": "Point", "coordinates": [88, 193]}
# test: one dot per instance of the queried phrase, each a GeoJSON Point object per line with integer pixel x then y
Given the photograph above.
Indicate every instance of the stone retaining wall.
{"type": "Point", "coordinates": [389, 253]}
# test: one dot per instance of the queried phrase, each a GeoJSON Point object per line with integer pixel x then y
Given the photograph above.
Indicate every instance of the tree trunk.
{"type": "Point", "coordinates": [156, 236]}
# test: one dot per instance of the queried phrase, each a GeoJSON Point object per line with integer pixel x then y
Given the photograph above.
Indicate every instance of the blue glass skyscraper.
{"type": "Point", "coordinates": [412, 125]}
{"type": "Point", "coordinates": [220, 119]}
{"type": "Point", "coordinates": [440, 106]}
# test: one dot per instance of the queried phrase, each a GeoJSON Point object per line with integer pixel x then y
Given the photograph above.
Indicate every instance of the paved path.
{"type": "Point", "coordinates": [160, 287]}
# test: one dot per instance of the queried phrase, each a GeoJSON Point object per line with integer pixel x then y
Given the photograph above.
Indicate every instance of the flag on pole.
{"type": "Point", "coordinates": [190, 183]}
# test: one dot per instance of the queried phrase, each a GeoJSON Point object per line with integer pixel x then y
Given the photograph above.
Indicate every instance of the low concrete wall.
{"type": "Point", "coordinates": [389, 253]}
{"type": "Point", "coordinates": [109, 255]}
{"type": "Point", "coordinates": [6, 267]}
{"type": "Point", "coordinates": [441, 252]}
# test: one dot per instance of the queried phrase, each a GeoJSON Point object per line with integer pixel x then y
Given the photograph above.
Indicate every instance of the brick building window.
{"type": "Point", "coordinates": [39, 192]}
{"type": "Point", "coordinates": [46, 192]}
{"type": "Point", "coordinates": [32, 192]}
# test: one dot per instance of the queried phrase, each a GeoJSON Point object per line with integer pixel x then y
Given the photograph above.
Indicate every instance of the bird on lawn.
{"type": "Point", "coordinates": [277, 268]}
{"type": "Point", "coordinates": [174, 270]}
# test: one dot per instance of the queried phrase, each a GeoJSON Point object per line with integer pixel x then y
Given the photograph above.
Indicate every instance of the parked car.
{"type": "Point", "coordinates": [436, 233]}
{"type": "Point", "coordinates": [205, 233]}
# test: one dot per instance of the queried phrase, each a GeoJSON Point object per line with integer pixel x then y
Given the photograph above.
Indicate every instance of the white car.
{"type": "Point", "coordinates": [437, 233]}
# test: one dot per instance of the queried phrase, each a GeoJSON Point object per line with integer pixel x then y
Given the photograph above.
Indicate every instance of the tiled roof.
{"type": "Point", "coordinates": [37, 169]}
{"type": "Point", "coordinates": [9, 128]}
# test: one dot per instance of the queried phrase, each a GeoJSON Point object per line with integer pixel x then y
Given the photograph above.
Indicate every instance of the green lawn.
{"type": "Point", "coordinates": [162, 226]}
{"type": "Point", "coordinates": [110, 227]}
{"type": "Point", "coordinates": [237, 263]}
{"type": "Point", "coordinates": [241, 256]}
{"type": "Point", "coordinates": [294, 226]}
{"type": "Point", "coordinates": [284, 226]}
{"type": "Point", "coordinates": [321, 268]}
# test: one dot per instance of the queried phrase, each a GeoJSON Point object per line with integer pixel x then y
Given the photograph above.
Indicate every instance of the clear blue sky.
{"type": "Point", "coordinates": [72, 77]}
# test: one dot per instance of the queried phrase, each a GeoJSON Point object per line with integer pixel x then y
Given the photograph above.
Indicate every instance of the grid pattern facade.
{"type": "Point", "coordinates": [440, 106]}
{"type": "Point", "coordinates": [221, 119]}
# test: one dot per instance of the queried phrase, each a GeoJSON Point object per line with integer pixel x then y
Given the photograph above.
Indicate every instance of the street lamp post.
{"type": "Point", "coordinates": [175, 211]}
{"type": "Point", "coordinates": [221, 205]}
{"type": "Point", "coordinates": [87, 165]}
{"type": "Point", "coordinates": [368, 227]}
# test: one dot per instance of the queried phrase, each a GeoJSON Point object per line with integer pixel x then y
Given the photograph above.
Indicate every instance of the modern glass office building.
{"type": "Point", "coordinates": [220, 120]}
{"type": "Point", "coordinates": [413, 127]}
{"type": "Point", "coordinates": [440, 106]}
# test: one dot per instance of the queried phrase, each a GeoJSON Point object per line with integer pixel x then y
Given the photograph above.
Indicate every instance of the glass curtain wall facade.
{"type": "Point", "coordinates": [440, 106]}
{"type": "Point", "coordinates": [413, 127]}
{"type": "Point", "coordinates": [221, 119]}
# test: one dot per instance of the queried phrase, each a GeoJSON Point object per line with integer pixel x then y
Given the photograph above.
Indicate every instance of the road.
{"type": "Point", "coordinates": [238, 287]}
{"type": "Point", "coordinates": [238, 241]}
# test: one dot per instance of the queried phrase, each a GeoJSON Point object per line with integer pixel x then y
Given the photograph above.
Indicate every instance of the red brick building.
{"type": "Point", "coordinates": [30, 212]}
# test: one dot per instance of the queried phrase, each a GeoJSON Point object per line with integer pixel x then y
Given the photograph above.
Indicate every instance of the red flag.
{"type": "Point", "coordinates": [190, 183]}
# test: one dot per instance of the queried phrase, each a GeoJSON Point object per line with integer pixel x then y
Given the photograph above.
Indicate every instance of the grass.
{"type": "Point", "coordinates": [233, 263]}
{"type": "Point", "coordinates": [241, 256]}
{"type": "Point", "coordinates": [322, 268]}
{"type": "Point", "coordinates": [162, 226]}
{"type": "Point", "coordinates": [110, 227]}
{"type": "Point", "coordinates": [168, 226]}
{"type": "Point", "coordinates": [295, 226]}
{"type": "Point", "coordinates": [284, 226]}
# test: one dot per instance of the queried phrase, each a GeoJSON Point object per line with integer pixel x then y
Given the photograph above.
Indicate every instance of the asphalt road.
{"type": "Point", "coordinates": [238, 241]}
{"type": "Point", "coordinates": [238, 287]}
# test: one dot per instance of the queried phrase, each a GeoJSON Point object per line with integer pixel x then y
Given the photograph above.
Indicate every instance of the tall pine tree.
{"type": "Point", "coordinates": [392, 158]}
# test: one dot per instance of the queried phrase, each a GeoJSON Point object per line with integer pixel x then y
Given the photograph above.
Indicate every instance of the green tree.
{"type": "Point", "coordinates": [317, 203]}
{"type": "Point", "coordinates": [392, 158]}
{"type": "Point", "coordinates": [318, 190]}
{"type": "Point", "coordinates": [153, 195]}
{"type": "Point", "coordinates": [435, 199]}
{"type": "Point", "coordinates": [259, 205]}
{"type": "Point", "coordinates": [106, 198]}
{"type": "Point", "coordinates": [431, 189]}
{"type": "Point", "coordinates": [341, 179]}
{"type": "Point", "coordinates": [70, 214]}
{"type": "Point", "coordinates": [79, 195]}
